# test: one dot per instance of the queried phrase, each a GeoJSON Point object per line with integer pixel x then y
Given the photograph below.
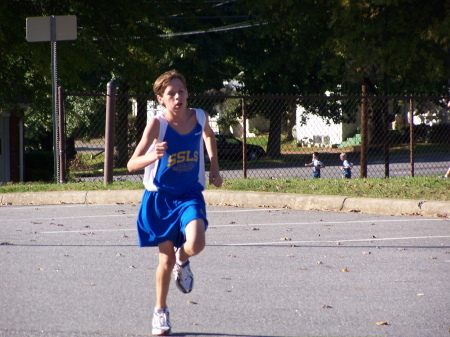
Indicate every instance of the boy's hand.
{"type": "Point", "coordinates": [215, 179]}
{"type": "Point", "coordinates": [160, 149]}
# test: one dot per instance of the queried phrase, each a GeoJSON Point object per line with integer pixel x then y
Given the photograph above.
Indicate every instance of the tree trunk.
{"type": "Point", "coordinates": [141, 118]}
{"type": "Point", "coordinates": [121, 133]}
{"type": "Point", "coordinates": [274, 142]}
{"type": "Point", "coordinates": [291, 119]}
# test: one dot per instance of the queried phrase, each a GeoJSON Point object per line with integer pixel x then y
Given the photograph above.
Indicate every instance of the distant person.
{"type": "Point", "coordinates": [317, 164]}
{"type": "Point", "coordinates": [346, 166]}
{"type": "Point", "coordinates": [447, 175]}
{"type": "Point", "coordinates": [172, 215]}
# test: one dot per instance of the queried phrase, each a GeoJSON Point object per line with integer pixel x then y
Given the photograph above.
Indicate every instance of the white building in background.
{"type": "Point", "coordinates": [312, 130]}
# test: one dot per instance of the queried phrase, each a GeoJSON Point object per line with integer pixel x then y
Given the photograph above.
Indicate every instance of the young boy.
{"type": "Point", "coordinates": [346, 166]}
{"type": "Point", "coordinates": [317, 164]}
{"type": "Point", "coordinates": [172, 214]}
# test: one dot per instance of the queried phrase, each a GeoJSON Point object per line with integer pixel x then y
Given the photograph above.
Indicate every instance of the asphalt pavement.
{"type": "Point", "coordinates": [74, 270]}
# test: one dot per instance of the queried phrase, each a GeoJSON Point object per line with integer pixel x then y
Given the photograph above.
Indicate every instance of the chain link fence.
{"type": "Point", "coordinates": [391, 136]}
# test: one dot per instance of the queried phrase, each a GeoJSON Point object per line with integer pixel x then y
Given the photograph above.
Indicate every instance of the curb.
{"type": "Point", "coordinates": [302, 202]}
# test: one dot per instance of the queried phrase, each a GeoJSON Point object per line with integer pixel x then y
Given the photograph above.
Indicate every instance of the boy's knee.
{"type": "Point", "coordinates": [167, 261]}
{"type": "Point", "coordinates": [198, 246]}
{"type": "Point", "coordinates": [194, 247]}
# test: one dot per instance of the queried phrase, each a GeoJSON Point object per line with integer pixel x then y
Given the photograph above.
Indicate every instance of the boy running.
{"type": "Point", "coordinates": [172, 214]}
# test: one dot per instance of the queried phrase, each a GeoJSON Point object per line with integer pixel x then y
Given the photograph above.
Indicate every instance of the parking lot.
{"type": "Point", "coordinates": [76, 270]}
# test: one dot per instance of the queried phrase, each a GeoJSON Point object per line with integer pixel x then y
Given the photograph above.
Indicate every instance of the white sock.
{"type": "Point", "coordinates": [178, 258]}
{"type": "Point", "coordinates": [160, 310]}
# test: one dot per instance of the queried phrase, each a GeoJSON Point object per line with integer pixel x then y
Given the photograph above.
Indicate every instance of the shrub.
{"type": "Point", "coordinates": [440, 133]}
{"type": "Point", "coordinates": [39, 165]}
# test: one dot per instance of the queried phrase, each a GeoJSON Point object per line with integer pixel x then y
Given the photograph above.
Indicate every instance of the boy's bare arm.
{"type": "Point", "coordinates": [211, 148]}
{"type": "Point", "coordinates": [140, 159]}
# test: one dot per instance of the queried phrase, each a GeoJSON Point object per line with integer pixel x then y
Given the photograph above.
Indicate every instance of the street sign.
{"type": "Point", "coordinates": [39, 28]}
{"type": "Point", "coordinates": [53, 29]}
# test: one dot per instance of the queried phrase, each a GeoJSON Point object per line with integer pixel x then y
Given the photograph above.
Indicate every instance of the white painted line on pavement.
{"type": "Point", "coordinates": [374, 221]}
{"type": "Point", "coordinates": [249, 210]}
{"type": "Point", "coordinates": [121, 215]}
{"type": "Point", "coordinates": [259, 224]}
{"type": "Point", "coordinates": [335, 241]}
{"type": "Point", "coordinates": [89, 231]}
{"type": "Point", "coordinates": [34, 219]}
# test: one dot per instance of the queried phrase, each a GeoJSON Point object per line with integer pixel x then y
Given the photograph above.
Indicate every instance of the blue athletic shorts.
{"type": "Point", "coordinates": [316, 174]}
{"type": "Point", "coordinates": [163, 217]}
{"type": "Point", "coordinates": [347, 173]}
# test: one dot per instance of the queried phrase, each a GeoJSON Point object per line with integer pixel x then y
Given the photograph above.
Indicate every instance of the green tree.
{"type": "Point", "coordinates": [116, 40]}
{"type": "Point", "coordinates": [314, 46]}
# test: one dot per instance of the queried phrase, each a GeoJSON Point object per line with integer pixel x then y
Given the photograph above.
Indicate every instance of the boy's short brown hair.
{"type": "Point", "coordinates": [163, 81]}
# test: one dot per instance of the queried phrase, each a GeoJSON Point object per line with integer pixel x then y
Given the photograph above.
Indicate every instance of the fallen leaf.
{"type": "Point", "coordinates": [191, 302]}
{"type": "Point", "coordinates": [345, 270]}
{"type": "Point", "coordinates": [366, 252]}
{"type": "Point", "coordinates": [382, 323]}
{"type": "Point", "coordinates": [285, 239]}
{"type": "Point", "coordinates": [420, 294]}
{"type": "Point", "coordinates": [319, 262]}
{"type": "Point", "coordinates": [326, 306]}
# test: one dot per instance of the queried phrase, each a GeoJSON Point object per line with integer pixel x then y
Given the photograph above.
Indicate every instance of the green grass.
{"type": "Point", "coordinates": [420, 188]}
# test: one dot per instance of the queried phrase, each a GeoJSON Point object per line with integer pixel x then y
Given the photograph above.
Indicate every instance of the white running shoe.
{"type": "Point", "coordinates": [161, 324]}
{"type": "Point", "coordinates": [184, 279]}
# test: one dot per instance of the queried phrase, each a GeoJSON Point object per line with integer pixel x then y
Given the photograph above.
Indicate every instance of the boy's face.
{"type": "Point", "coordinates": [175, 96]}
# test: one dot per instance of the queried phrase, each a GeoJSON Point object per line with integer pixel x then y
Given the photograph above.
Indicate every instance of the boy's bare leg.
{"type": "Point", "coordinates": [164, 272]}
{"type": "Point", "coordinates": [195, 240]}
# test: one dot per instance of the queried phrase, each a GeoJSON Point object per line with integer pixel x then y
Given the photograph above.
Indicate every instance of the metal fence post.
{"type": "Point", "coordinates": [411, 136]}
{"type": "Point", "coordinates": [244, 138]}
{"type": "Point", "coordinates": [62, 137]}
{"type": "Point", "coordinates": [363, 160]}
{"type": "Point", "coordinates": [109, 132]}
{"type": "Point", "coordinates": [386, 138]}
